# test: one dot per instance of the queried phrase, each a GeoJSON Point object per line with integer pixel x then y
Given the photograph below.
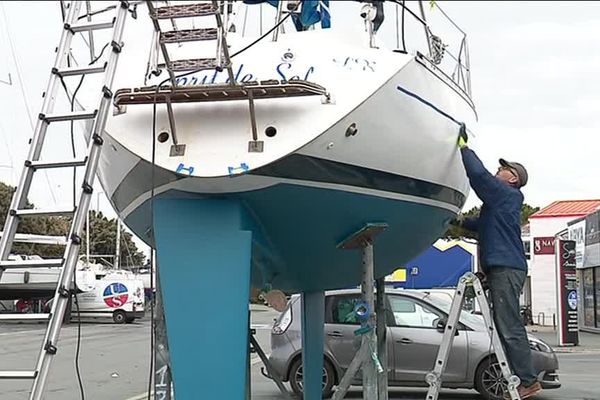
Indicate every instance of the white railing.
{"type": "Point", "coordinates": [452, 58]}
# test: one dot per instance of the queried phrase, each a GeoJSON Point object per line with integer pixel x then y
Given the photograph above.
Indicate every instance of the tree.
{"type": "Point", "coordinates": [456, 232]}
{"type": "Point", "coordinates": [103, 234]}
{"type": "Point", "coordinates": [103, 240]}
{"type": "Point", "coordinates": [526, 212]}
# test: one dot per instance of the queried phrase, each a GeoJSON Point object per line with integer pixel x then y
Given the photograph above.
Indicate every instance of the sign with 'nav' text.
{"type": "Point", "coordinates": [543, 245]}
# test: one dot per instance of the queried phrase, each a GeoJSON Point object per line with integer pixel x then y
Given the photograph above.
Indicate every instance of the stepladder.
{"type": "Point", "coordinates": [77, 23]}
{"type": "Point", "coordinates": [469, 286]}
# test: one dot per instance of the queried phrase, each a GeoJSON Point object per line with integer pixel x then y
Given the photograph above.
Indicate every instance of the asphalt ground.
{"type": "Point", "coordinates": [114, 364]}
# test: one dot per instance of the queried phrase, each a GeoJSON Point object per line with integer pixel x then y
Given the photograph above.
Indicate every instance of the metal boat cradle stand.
{"type": "Point", "coordinates": [214, 240]}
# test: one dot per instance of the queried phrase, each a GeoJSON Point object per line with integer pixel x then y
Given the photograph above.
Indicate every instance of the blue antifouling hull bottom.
{"type": "Point", "coordinates": [201, 245]}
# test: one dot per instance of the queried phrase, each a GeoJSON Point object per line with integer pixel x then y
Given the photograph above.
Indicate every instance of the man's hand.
{"type": "Point", "coordinates": [463, 138]}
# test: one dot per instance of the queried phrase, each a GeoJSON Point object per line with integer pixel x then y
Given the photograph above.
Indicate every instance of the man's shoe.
{"type": "Point", "coordinates": [526, 392]}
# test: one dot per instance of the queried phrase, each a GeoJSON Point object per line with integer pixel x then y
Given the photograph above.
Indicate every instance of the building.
{"type": "Point", "coordinates": [544, 225]}
{"type": "Point", "coordinates": [526, 239]}
{"type": "Point", "coordinates": [586, 234]}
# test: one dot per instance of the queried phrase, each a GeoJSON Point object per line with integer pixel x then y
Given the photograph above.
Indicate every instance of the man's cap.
{"type": "Point", "coordinates": [518, 168]}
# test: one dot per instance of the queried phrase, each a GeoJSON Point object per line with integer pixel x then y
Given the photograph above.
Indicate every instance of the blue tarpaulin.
{"type": "Point", "coordinates": [437, 268]}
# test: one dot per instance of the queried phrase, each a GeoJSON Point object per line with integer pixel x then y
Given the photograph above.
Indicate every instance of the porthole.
{"type": "Point", "coordinates": [163, 137]}
{"type": "Point", "coordinates": [270, 131]}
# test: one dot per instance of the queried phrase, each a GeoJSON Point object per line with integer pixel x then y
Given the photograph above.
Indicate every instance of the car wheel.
{"type": "Point", "coordinates": [119, 317]}
{"type": "Point", "coordinates": [489, 381]}
{"type": "Point", "coordinates": [296, 377]}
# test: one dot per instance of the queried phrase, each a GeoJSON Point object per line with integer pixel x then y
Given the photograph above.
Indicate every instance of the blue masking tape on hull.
{"type": "Point", "coordinates": [428, 103]}
{"type": "Point", "coordinates": [204, 260]}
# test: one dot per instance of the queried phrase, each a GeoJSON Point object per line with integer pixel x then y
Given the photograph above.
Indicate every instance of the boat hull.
{"type": "Point", "coordinates": [379, 146]}
{"type": "Point", "coordinates": [297, 250]}
{"type": "Point", "coordinates": [400, 166]}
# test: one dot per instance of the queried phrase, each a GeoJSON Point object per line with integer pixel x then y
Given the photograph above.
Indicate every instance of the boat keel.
{"type": "Point", "coordinates": [204, 257]}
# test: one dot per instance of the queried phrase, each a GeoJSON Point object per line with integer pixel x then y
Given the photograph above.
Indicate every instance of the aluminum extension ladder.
{"type": "Point", "coordinates": [467, 282]}
{"type": "Point", "coordinates": [89, 163]}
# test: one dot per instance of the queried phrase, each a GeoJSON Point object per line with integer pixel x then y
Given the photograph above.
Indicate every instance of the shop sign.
{"type": "Point", "coordinates": [591, 257]}
{"type": "Point", "coordinates": [592, 229]}
{"type": "Point", "coordinates": [568, 332]}
{"type": "Point", "coordinates": [543, 245]}
{"type": "Point", "coordinates": [577, 233]}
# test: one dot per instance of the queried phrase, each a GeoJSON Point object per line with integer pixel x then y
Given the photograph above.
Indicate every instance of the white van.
{"type": "Point", "coordinates": [116, 296]}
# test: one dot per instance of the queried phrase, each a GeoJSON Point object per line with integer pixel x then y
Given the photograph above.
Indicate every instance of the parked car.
{"type": "Point", "coordinates": [415, 326]}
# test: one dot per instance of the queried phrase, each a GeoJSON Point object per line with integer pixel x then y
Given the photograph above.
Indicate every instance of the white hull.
{"type": "Point", "coordinates": [396, 133]}
{"type": "Point", "coordinates": [38, 282]}
{"type": "Point", "coordinates": [404, 153]}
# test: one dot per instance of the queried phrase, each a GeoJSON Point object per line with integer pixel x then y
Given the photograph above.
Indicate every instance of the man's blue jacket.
{"type": "Point", "coordinates": [499, 222]}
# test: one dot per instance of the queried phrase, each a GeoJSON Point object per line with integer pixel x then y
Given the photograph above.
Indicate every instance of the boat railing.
{"type": "Point", "coordinates": [451, 58]}
{"type": "Point", "coordinates": [448, 50]}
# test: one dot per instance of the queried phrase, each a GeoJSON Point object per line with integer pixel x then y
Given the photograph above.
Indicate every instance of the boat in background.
{"type": "Point", "coordinates": [39, 283]}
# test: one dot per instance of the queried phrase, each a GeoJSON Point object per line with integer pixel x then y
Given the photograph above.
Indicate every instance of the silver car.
{"type": "Point", "coordinates": [415, 326]}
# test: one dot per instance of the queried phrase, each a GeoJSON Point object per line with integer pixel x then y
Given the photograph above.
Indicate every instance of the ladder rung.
{"type": "Point", "coordinates": [188, 35]}
{"type": "Point", "coordinates": [90, 26]}
{"type": "Point", "coordinates": [94, 69]}
{"type": "Point", "coordinates": [52, 262]}
{"type": "Point", "coordinates": [184, 10]}
{"type": "Point", "coordinates": [58, 164]}
{"type": "Point", "coordinates": [69, 116]}
{"type": "Point", "coordinates": [44, 212]}
{"type": "Point", "coordinates": [24, 317]}
{"type": "Point", "coordinates": [18, 374]}
{"type": "Point", "coordinates": [198, 64]}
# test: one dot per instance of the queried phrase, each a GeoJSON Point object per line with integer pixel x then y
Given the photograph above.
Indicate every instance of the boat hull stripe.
{"type": "Point", "coordinates": [307, 168]}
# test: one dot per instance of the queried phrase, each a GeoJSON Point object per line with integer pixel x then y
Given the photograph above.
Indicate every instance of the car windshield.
{"type": "Point", "coordinates": [471, 320]}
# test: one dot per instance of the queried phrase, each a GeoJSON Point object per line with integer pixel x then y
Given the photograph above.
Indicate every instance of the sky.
{"type": "Point", "coordinates": [534, 83]}
{"type": "Point", "coordinates": [533, 73]}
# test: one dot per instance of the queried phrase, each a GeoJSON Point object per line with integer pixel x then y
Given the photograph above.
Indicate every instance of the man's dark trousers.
{"type": "Point", "coordinates": [505, 286]}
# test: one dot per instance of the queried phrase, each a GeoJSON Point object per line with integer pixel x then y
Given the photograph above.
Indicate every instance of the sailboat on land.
{"type": "Point", "coordinates": [310, 134]}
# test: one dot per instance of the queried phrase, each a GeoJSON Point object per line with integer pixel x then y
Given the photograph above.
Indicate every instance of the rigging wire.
{"type": "Point", "coordinates": [10, 157]}
{"type": "Point", "coordinates": [403, 30]}
{"type": "Point", "coordinates": [91, 14]}
{"type": "Point", "coordinates": [74, 292]}
{"type": "Point", "coordinates": [72, 99]}
{"type": "Point", "coordinates": [129, 255]}
{"type": "Point", "coordinates": [245, 20]}
{"type": "Point", "coordinates": [22, 88]}
{"type": "Point", "coordinates": [259, 39]}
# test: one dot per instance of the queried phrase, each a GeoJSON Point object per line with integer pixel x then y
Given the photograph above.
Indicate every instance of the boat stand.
{"type": "Point", "coordinates": [271, 373]}
{"type": "Point", "coordinates": [374, 374]}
